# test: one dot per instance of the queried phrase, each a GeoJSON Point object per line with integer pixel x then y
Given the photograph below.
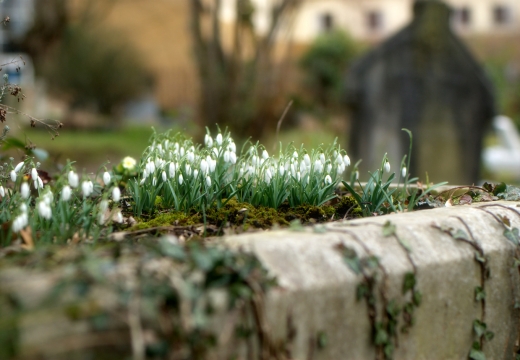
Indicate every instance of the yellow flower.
{"type": "Point", "coordinates": [128, 163]}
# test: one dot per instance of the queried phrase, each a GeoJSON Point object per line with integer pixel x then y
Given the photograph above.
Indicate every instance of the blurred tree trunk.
{"type": "Point", "coordinates": [238, 83]}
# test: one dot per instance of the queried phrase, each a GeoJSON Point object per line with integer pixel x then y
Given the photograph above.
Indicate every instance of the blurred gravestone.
{"type": "Point", "coordinates": [423, 79]}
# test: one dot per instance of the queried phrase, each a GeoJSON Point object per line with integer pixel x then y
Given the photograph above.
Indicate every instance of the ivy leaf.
{"type": "Point", "coordinates": [480, 294]}
{"type": "Point", "coordinates": [322, 339]}
{"type": "Point", "coordinates": [381, 335]}
{"type": "Point", "coordinates": [460, 234]}
{"type": "Point", "coordinates": [489, 335]}
{"type": "Point", "coordinates": [409, 282]}
{"type": "Point", "coordinates": [512, 235]}
{"type": "Point", "coordinates": [388, 229]}
{"type": "Point", "coordinates": [480, 258]}
{"type": "Point", "coordinates": [479, 327]}
{"type": "Point", "coordinates": [404, 244]}
{"type": "Point", "coordinates": [351, 259]}
{"type": "Point", "coordinates": [372, 262]}
{"type": "Point", "coordinates": [475, 354]}
{"type": "Point", "coordinates": [361, 291]}
{"type": "Point", "coordinates": [417, 297]}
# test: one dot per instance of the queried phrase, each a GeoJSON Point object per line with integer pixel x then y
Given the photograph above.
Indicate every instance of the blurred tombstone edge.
{"type": "Point", "coordinates": [423, 79]}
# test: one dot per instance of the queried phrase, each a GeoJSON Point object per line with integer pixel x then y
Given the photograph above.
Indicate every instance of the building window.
{"type": "Point", "coordinates": [326, 22]}
{"type": "Point", "coordinates": [374, 21]}
{"type": "Point", "coordinates": [501, 15]}
{"type": "Point", "coordinates": [462, 16]}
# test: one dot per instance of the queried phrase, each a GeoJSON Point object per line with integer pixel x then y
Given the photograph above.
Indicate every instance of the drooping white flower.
{"type": "Point", "coordinates": [232, 158]}
{"type": "Point", "coordinates": [254, 160]}
{"type": "Point", "coordinates": [18, 167]}
{"type": "Point", "coordinates": [226, 156]}
{"type": "Point", "coordinates": [265, 155]}
{"type": "Point", "coordinates": [103, 205]}
{"type": "Point", "coordinates": [86, 189]}
{"type": "Point", "coordinates": [106, 178]}
{"type": "Point", "coordinates": [281, 170]}
{"type": "Point", "coordinates": [268, 176]}
{"type": "Point", "coordinates": [218, 139]}
{"type": "Point", "coordinates": [295, 155]}
{"type": "Point", "coordinates": [40, 182]}
{"type": "Point", "coordinates": [20, 222]}
{"type": "Point", "coordinates": [307, 160]}
{"type": "Point", "coordinates": [187, 169]}
{"type": "Point", "coordinates": [204, 166]}
{"type": "Point", "coordinates": [403, 171]}
{"type": "Point", "coordinates": [48, 197]}
{"type": "Point", "coordinates": [208, 140]}
{"type": "Point", "coordinates": [23, 208]}
{"type": "Point", "coordinates": [118, 217]}
{"type": "Point", "coordinates": [195, 173]}
{"type": "Point", "coordinates": [154, 181]}
{"type": "Point", "coordinates": [212, 165]}
{"type": "Point", "coordinates": [44, 210]}
{"type": "Point", "coordinates": [116, 194]}
{"type": "Point", "coordinates": [181, 179]}
{"type": "Point", "coordinates": [13, 175]}
{"type": "Point", "coordinates": [328, 180]}
{"type": "Point", "coordinates": [25, 191]}
{"type": "Point", "coordinates": [387, 166]}
{"type": "Point", "coordinates": [339, 159]}
{"type": "Point", "coordinates": [208, 181]}
{"type": "Point", "coordinates": [318, 166]}
{"type": "Point", "coordinates": [34, 173]}
{"type": "Point", "coordinates": [73, 179]}
{"type": "Point", "coordinates": [66, 192]}
{"type": "Point", "coordinates": [356, 175]}
{"type": "Point", "coordinates": [346, 160]}
{"type": "Point", "coordinates": [232, 147]}
{"type": "Point", "coordinates": [164, 177]}
{"type": "Point", "coordinates": [329, 167]}
{"type": "Point", "coordinates": [322, 158]}
{"type": "Point", "coordinates": [190, 156]}
{"type": "Point", "coordinates": [298, 176]}
{"type": "Point", "coordinates": [171, 170]}
{"type": "Point", "coordinates": [2, 191]}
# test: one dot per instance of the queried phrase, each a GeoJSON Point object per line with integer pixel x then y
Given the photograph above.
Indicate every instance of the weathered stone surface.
{"type": "Point", "coordinates": [317, 293]}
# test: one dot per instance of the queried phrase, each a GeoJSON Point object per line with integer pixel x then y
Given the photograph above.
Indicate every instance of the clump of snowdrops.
{"type": "Point", "coordinates": [72, 206]}
{"type": "Point", "coordinates": [188, 176]}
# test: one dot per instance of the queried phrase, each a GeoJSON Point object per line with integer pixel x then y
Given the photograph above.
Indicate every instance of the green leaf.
{"type": "Point", "coordinates": [172, 250]}
{"type": "Point", "coordinates": [480, 258]}
{"type": "Point", "coordinates": [460, 234]}
{"type": "Point", "coordinates": [505, 220]}
{"type": "Point", "coordinates": [512, 235]}
{"type": "Point", "coordinates": [500, 188]}
{"type": "Point", "coordinates": [489, 335]}
{"type": "Point", "coordinates": [417, 297]}
{"type": "Point", "coordinates": [480, 294]}
{"type": "Point", "coordinates": [361, 291]}
{"type": "Point", "coordinates": [388, 229]}
{"type": "Point", "coordinates": [475, 354]}
{"type": "Point", "coordinates": [352, 260]}
{"type": "Point", "coordinates": [381, 335]}
{"type": "Point", "coordinates": [479, 327]}
{"type": "Point", "coordinates": [409, 282]}
{"type": "Point", "coordinates": [322, 339]}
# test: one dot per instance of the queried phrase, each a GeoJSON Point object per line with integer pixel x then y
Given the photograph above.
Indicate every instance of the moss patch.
{"type": "Point", "coordinates": [169, 218]}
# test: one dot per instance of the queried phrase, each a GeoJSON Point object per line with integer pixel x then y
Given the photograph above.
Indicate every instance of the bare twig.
{"type": "Point", "coordinates": [279, 124]}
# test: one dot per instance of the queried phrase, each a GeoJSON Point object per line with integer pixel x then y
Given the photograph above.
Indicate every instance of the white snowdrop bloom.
{"type": "Point", "coordinates": [281, 170]}
{"type": "Point", "coordinates": [34, 173]}
{"type": "Point", "coordinates": [403, 171]}
{"type": "Point", "coordinates": [13, 175]}
{"type": "Point", "coordinates": [268, 176]}
{"type": "Point", "coordinates": [341, 168]}
{"type": "Point", "coordinates": [182, 151]}
{"type": "Point", "coordinates": [160, 149]}
{"type": "Point", "coordinates": [73, 179]}
{"type": "Point", "coordinates": [18, 167]}
{"type": "Point", "coordinates": [176, 146]}
{"type": "Point", "coordinates": [215, 152]}
{"type": "Point", "coordinates": [232, 146]}
{"type": "Point", "coordinates": [241, 172]}
{"type": "Point", "coordinates": [356, 175]}
{"type": "Point", "coordinates": [106, 178]}
{"type": "Point", "coordinates": [145, 173]}
{"type": "Point", "coordinates": [226, 156]}
{"type": "Point", "coordinates": [328, 180]}
{"type": "Point", "coordinates": [119, 217]}
{"type": "Point", "coordinates": [250, 170]}
{"type": "Point", "coordinates": [25, 191]}
{"type": "Point", "coordinates": [293, 168]}
{"type": "Point", "coordinates": [20, 222]}
{"type": "Point", "coordinates": [295, 155]}
{"type": "Point", "coordinates": [318, 166]}
{"type": "Point", "coordinates": [48, 197]}
{"type": "Point", "coordinates": [346, 160]}
{"type": "Point", "coordinates": [128, 163]}
{"type": "Point", "coordinates": [265, 155]}
{"type": "Point", "coordinates": [159, 163]}
{"type": "Point", "coordinates": [208, 140]}
{"type": "Point", "coordinates": [208, 181]}
{"type": "Point", "coordinates": [151, 167]}
{"type": "Point", "coordinates": [166, 144]}
{"type": "Point", "coordinates": [322, 158]}
{"type": "Point", "coordinates": [203, 166]}
{"type": "Point", "coordinates": [212, 165]}
{"type": "Point", "coordinates": [329, 167]}
{"type": "Point", "coordinates": [307, 160]}
{"type": "Point", "coordinates": [35, 184]}
{"type": "Point", "coordinates": [190, 156]}
{"type": "Point", "coordinates": [303, 166]}
{"type": "Point", "coordinates": [387, 167]}
{"type": "Point", "coordinates": [232, 158]}
{"type": "Point", "coordinates": [86, 189]}
{"type": "Point", "coordinates": [171, 170]}
{"type": "Point", "coordinates": [187, 169]}
{"type": "Point", "coordinates": [152, 147]}
{"type": "Point", "coordinates": [44, 210]}
{"type": "Point", "coordinates": [66, 193]}
{"type": "Point", "coordinates": [103, 205]}
{"type": "Point", "coordinates": [181, 179]}
{"type": "Point", "coordinates": [218, 139]}
{"type": "Point", "coordinates": [298, 176]}
{"type": "Point", "coordinates": [154, 181]}
{"type": "Point", "coordinates": [23, 208]}
{"type": "Point", "coordinates": [142, 181]}
{"type": "Point", "coordinates": [254, 160]}
{"type": "Point", "coordinates": [116, 194]}
{"type": "Point", "coordinates": [2, 191]}
{"type": "Point", "coordinates": [339, 159]}
{"type": "Point", "coordinates": [195, 173]}
{"type": "Point", "coordinates": [40, 182]}
{"type": "Point", "coordinates": [164, 177]}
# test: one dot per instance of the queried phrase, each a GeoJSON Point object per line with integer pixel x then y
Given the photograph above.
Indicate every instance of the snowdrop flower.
{"type": "Point", "coordinates": [23, 208]}
{"type": "Point", "coordinates": [34, 173]}
{"type": "Point", "coordinates": [295, 155]}
{"type": "Point", "coordinates": [268, 176]}
{"type": "Point", "coordinates": [212, 165]}
{"type": "Point", "coordinates": [318, 166]}
{"type": "Point", "coordinates": [48, 197]}
{"type": "Point", "coordinates": [181, 179]}
{"type": "Point", "coordinates": [204, 166]}
{"type": "Point", "coordinates": [86, 188]}
{"type": "Point", "coordinates": [119, 217]}
{"type": "Point", "coordinates": [154, 181]}
{"type": "Point", "coordinates": [403, 171]}
{"type": "Point", "coordinates": [232, 158]}
{"type": "Point", "coordinates": [13, 175]}
{"type": "Point", "coordinates": [195, 173]}
{"type": "Point", "coordinates": [191, 157]}
{"type": "Point", "coordinates": [187, 169]}
{"type": "Point", "coordinates": [106, 178]}
{"type": "Point", "coordinates": [103, 205]}
{"type": "Point", "coordinates": [387, 166]}
{"type": "Point", "coordinates": [164, 177]}
{"type": "Point", "coordinates": [171, 170]}
{"type": "Point", "coordinates": [116, 194]}
{"type": "Point", "coordinates": [328, 180]}
{"type": "Point", "coordinates": [265, 155]}
{"type": "Point", "coordinates": [19, 167]}
{"type": "Point", "coordinates": [44, 210]}
{"type": "Point", "coordinates": [322, 158]}
{"type": "Point", "coordinates": [254, 160]}
{"type": "Point", "coordinates": [341, 168]}
{"type": "Point", "coordinates": [25, 191]}
{"type": "Point", "coordinates": [73, 179]}
{"type": "Point", "coordinates": [208, 181]}
{"type": "Point", "coordinates": [346, 160]}
{"type": "Point", "coordinates": [40, 183]}
{"type": "Point", "coordinates": [329, 167]}
{"type": "Point", "coordinates": [208, 140]}
{"type": "Point", "coordinates": [232, 146]}
{"type": "Point", "coordinates": [66, 192]}
{"type": "Point", "coordinates": [215, 151]}
{"type": "Point", "coordinates": [2, 191]}
{"type": "Point", "coordinates": [20, 222]}
{"type": "Point", "coordinates": [307, 160]}
{"type": "Point", "coordinates": [218, 139]}
{"type": "Point", "coordinates": [298, 176]}
{"type": "Point", "coordinates": [339, 159]}
{"type": "Point", "coordinates": [356, 175]}
{"type": "Point", "coordinates": [182, 151]}
{"type": "Point", "coordinates": [281, 170]}
{"type": "Point", "coordinates": [226, 156]}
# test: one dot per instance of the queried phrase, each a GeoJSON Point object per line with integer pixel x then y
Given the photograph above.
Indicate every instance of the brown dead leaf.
{"type": "Point", "coordinates": [26, 235]}
{"type": "Point", "coordinates": [465, 200]}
